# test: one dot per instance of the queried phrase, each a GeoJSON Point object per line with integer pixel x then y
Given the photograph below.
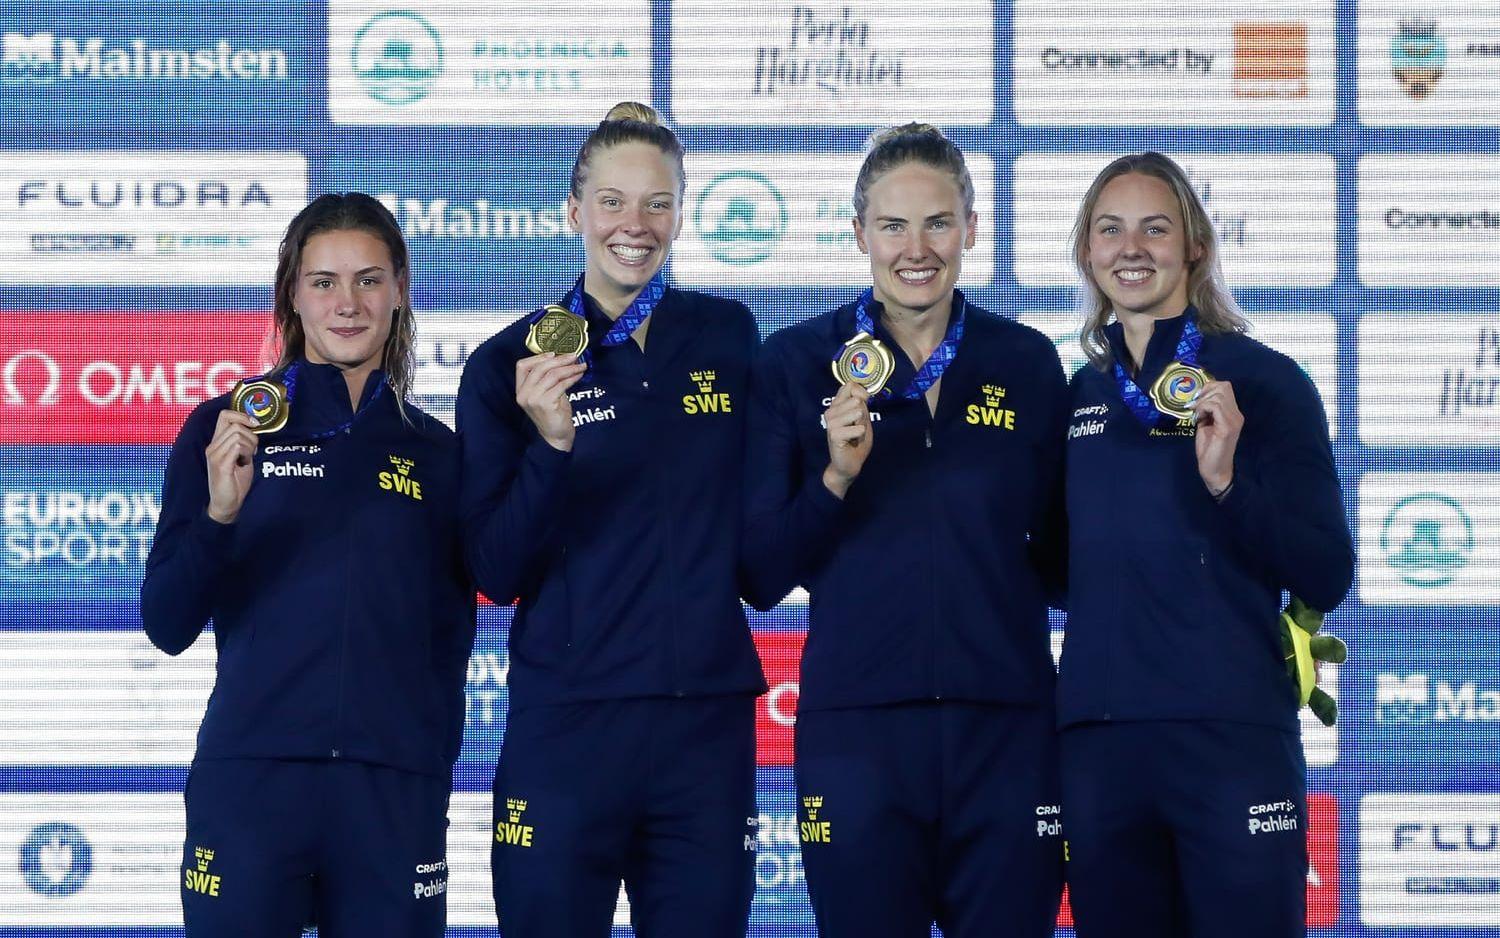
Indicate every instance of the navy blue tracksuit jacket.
{"type": "Point", "coordinates": [927, 578]}
{"type": "Point", "coordinates": [920, 799]}
{"type": "Point", "coordinates": [622, 551]}
{"type": "Point", "coordinates": [630, 745]}
{"type": "Point", "coordinates": [343, 615]}
{"type": "Point", "coordinates": [1174, 598]}
{"type": "Point", "coordinates": [1184, 782]}
{"type": "Point", "coordinates": [343, 618]}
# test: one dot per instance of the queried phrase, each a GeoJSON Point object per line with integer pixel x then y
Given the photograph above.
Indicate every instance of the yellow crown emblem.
{"type": "Point", "coordinates": [812, 803]}
{"type": "Point", "coordinates": [704, 379]}
{"type": "Point", "coordinates": [514, 807]}
{"type": "Point", "coordinates": [204, 857]}
{"type": "Point", "coordinates": [402, 464]}
{"type": "Point", "coordinates": [992, 394]}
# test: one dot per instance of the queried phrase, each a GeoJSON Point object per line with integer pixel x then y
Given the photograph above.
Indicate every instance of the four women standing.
{"type": "Point", "coordinates": [901, 457]}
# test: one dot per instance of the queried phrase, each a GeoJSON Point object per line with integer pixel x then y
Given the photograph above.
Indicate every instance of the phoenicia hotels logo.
{"type": "Point", "coordinates": [1427, 539]}
{"type": "Point", "coordinates": [397, 57]}
{"type": "Point", "coordinates": [741, 217]}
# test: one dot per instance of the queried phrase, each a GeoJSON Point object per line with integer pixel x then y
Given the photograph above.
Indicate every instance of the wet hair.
{"type": "Point", "coordinates": [1218, 311]}
{"type": "Point", "coordinates": [627, 122]}
{"type": "Point", "coordinates": [348, 211]}
{"type": "Point", "coordinates": [910, 143]}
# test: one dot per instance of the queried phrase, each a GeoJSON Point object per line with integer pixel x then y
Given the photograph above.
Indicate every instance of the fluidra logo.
{"type": "Point", "coordinates": [44, 58]}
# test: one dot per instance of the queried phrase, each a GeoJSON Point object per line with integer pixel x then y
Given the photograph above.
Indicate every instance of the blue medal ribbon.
{"type": "Point", "coordinates": [937, 363]}
{"type": "Point", "coordinates": [289, 380]}
{"type": "Point", "coordinates": [1139, 402]}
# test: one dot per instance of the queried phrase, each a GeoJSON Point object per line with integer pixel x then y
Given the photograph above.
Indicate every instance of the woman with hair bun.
{"type": "Point", "coordinates": [905, 459]}
{"type": "Point", "coordinates": [313, 516]}
{"type": "Point", "coordinates": [1200, 484]}
{"type": "Point", "coordinates": [602, 476]}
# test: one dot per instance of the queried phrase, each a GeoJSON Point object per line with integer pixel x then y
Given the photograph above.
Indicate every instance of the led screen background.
{"type": "Point", "coordinates": [152, 154]}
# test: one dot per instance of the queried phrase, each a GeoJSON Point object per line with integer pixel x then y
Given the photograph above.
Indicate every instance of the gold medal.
{"type": "Point", "coordinates": [1177, 388]}
{"type": "Point", "coordinates": [560, 331]}
{"type": "Point", "coordinates": [866, 361]}
{"type": "Point", "coordinates": [263, 401]}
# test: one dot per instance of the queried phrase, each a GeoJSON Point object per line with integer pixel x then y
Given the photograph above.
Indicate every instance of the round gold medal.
{"type": "Point", "coordinates": [263, 401]}
{"type": "Point", "coordinates": [866, 361]}
{"type": "Point", "coordinates": [559, 331]}
{"type": "Point", "coordinates": [1177, 388]}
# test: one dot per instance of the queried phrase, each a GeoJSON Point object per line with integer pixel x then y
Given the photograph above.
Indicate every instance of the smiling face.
{"type": "Point", "coordinates": [629, 213]}
{"type": "Point", "coordinates": [1138, 253]}
{"type": "Point", "coordinates": [915, 230]}
{"type": "Point", "coordinates": [346, 293]}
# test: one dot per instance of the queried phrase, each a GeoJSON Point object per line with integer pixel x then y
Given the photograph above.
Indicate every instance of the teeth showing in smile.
{"type": "Point", "coordinates": [916, 276]}
{"type": "Point", "coordinates": [626, 252]}
{"type": "Point", "coordinates": [1132, 276]}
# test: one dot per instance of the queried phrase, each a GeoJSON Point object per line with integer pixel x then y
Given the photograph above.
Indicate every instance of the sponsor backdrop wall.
{"type": "Point", "coordinates": [153, 152]}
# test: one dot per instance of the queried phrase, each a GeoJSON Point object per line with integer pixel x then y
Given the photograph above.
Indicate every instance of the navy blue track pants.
{"type": "Point", "coordinates": [273, 845]}
{"type": "Point", "coordinates": [947, 812]}
{"type": "Point", "coordinates": [658, 793]}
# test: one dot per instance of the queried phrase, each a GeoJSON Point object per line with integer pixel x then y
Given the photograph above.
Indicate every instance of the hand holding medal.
{"type": "Point", "coordinates": [1219, 423]}
{"type": "Point", "coordinates": [542, 383]}
{"type": "Point", "coordinates": [850, 436]}
{"type": "Point", "coordinates": [230, 458]}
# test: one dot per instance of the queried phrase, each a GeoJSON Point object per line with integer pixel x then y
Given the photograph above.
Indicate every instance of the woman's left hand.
{"type": "Point", "coordinates": [1219, 424]}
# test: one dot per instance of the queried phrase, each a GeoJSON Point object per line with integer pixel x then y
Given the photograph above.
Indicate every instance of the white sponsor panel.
{"type": "Point", "coordinates": [149, 217]}
{"type": "Point", "coordinates": [91, 859]}
{"type": "Point", "coordinates": [1429, 538]}
{"type": "Point", "coordinates": [1308, 338]}
{"type": "Point", "coordinates": [100, 698]}
{"type": "Point", "coordinates": [1158, 62]}
{"type": "Point", "coordinates": [860, 62]}
{"type": "Point", "coordinates": [1275, 214]}
{"type": "Point", "coordinates": [1436, 63]}
{"type": "Point", "coordinates": [1429, 221]}
{"type": "Point", "coordinates": [1427, 380]}
{"type": "Point", "coordinates": [445, 340]}
{"type": "Point", "coordinates": [786, 219]}
{"type": "Point", "coordinates": [435, 62]}
{"type": "Point", "coordinates": [1311, 340]}
{"type": "Point", "coordinates": [1428, 859]}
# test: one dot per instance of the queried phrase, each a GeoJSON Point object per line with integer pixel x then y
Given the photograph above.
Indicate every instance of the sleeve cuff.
{"type": "Point", "coordinates": [212, 539]}
{"type": "Point", "coordinates": [827, 505]}
{"type": "Point", "coordinates": [540, 452]}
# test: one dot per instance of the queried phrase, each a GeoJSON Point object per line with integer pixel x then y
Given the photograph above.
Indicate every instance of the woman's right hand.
{"type": "Point", "coordinates": [850, 436]}
{"type": "Point", "coordinates": [231, 465]}
{"type": "Point", "coordinates": [542, 383]}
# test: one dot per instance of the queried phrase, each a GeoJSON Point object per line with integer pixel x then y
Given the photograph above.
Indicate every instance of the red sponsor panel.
{"type": "Point", "coordinates": [1322, 860]}
{"type": "Point", "coordinates": [776, 710]}
{"type": "Point", "coordinates": [119, 377]}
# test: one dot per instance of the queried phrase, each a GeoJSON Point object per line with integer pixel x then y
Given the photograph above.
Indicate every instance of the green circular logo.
{"type": "Point", "coordinates": [397, 57]}
{"type": "Point", "coordinates": [741, 217]}
{"type": "Point", "coordinates": [1427, 539]}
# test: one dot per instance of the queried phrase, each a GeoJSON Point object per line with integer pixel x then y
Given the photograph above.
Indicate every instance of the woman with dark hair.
{"type": "Point", "coordinates": [313, 516]}
{"type": "Point", "coordinates": [601, 487]}
{"type": "Point", "coordinates": [1200, 485]}
{"type": "Point", "coordinates": [914, 493]}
